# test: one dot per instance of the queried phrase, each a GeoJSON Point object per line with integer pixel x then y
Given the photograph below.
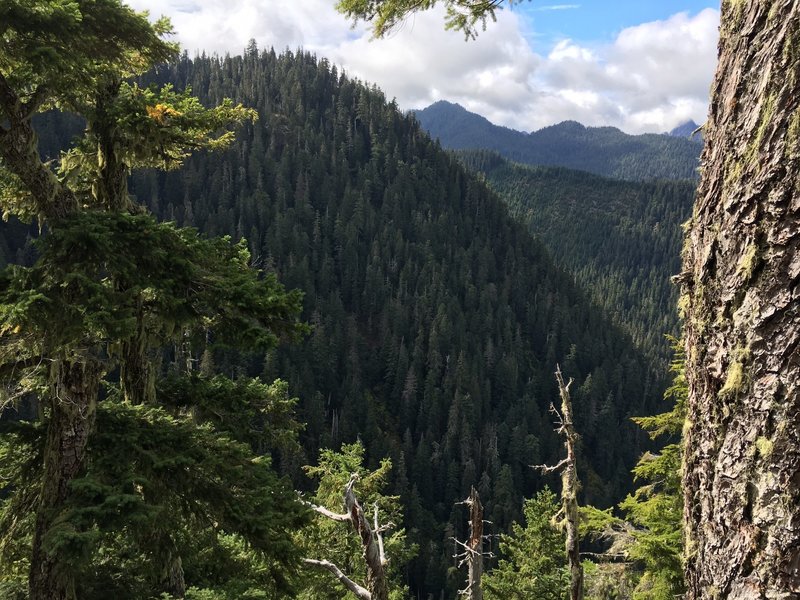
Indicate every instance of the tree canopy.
{"type": "Point", "coordinates": [384, 15]}
{"type": "Point", "coordinates": [122, 486]}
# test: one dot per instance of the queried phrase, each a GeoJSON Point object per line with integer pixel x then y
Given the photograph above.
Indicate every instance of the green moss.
{"type": "Point", "coordinates": [683, 305]}
{"type": "Point", "coordinates": [790, 149]}
{"type": "Point", "coordinates": [764, 446]}
{"type": "Point", "coordinates": [732, 23]}
{"type": "Point", "coordinates": [733, 172]}
{"type": "Point", "coordinates": [748, 262]}
{"type": "Point", "coordinates": [791, 42]}
{"type": "Point", "coordinates": [699, 323]}
{"type": "Point", "coordinates": [687, 426]}
{"type": "Point", "coordinates": [765, 118]}
{"type": "Point", "coordinates": [736, 380]}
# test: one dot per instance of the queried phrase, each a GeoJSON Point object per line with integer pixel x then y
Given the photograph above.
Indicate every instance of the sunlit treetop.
{"type": "Point", "coordinates": [386, 15]}
{"type": "Point", "coordinates": [81, 56]}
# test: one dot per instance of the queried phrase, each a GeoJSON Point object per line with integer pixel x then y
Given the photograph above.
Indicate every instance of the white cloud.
{"type": "Point", "coordinates": [227, 25]}
{"type": "Point", "coordinates": [650, 77]}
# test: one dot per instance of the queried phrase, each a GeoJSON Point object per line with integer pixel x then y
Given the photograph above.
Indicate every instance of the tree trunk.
{"type": "Point", "coordinates": [173, 578]}
{"type": "Point", "coordinates": [569, 487]}
{"type": "Point", "coordinates": [740, 297]}
{"type": "Point", "coordinates": [111, 189]}
{"type": "Point", "coordinates": [569, 492]}
{"type": "Point", "coordinates": [72, 411]}
{"type": "Point", "coordinates": [137, 374]}
{"type": "Point", "coordinates": [474, 545]}
{"type": "Point", "coordinates": [372, 550]}
{"type": "Point", "coordinates": [19, 149]}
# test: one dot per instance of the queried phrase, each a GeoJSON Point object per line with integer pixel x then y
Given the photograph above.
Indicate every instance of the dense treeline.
{"type": "Point", "coordinates": [620, 239]}
{"type": "Point", "coordinates": [601, 150]}
{"type": "Point", "coordinates": [436, 319]}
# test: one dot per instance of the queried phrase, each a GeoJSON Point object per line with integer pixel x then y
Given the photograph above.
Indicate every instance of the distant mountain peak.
{"type": "Point", "coordinates": [445, 103]}
{"type": "Point", "coordinates": [569, 125]}
{"type": "Point", "coordinates": [686, 130]}
{"type": "Point", "coordinates": [601, 150]}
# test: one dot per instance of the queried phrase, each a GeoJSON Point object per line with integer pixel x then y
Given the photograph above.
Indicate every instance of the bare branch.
{"type": "Point", "coordinates": [606, 557]}
{"type": "Point", "coordinates": [547, 469]}
{"type": "Point", "coordinates": [325, 512]}
{"type": "Point", "coordinates": [351, 585]}
{"type": "Point", "coordinates": [379, 535]}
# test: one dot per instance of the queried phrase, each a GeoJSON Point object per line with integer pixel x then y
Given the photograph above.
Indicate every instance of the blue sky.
{"type": "Point", "coordinates": [596, 20]}
{"type": "Point", "coordinates": [640, 65]}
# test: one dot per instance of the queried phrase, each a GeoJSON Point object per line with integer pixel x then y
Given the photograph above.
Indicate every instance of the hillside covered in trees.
{"type": "Point", "coordinates": [620, 239]}
{"type": "Point", "coordinates": [146, 450]}
{"type": "Point", "coordinates": [604, 151]}
{"type": "Point", "coordinates": [436, 319]}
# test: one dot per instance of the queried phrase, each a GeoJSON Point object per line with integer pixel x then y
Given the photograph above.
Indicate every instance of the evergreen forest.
{"type": "Point", "coordinates": [436, 318]}
{"type": "Point", "coordinates": [620, 239]}
{"type": "Point", "coordinates": [434, 322]}
{"type": "Point", "coordinates": [264, 335]}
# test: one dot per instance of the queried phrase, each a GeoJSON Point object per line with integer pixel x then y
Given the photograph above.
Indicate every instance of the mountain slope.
{"type": "Point", "coordinates": [621, 239]}
{"type": "Point", "coordinates": [437, 319]}
{"type": "Point", "coordinates": [601, 150]}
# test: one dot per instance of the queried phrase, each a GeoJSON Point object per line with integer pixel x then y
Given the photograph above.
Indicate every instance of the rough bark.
{"type": "Point", "coordinates": [474, 548]}
{"type": "Point", "coordinates": [569, 488]}
{"type": "Point", "coordinates": [20, 153]}
{"type": "Point", "coordinates": [72, 401]}
{"type": "Point", "coordinates": [740, 298]}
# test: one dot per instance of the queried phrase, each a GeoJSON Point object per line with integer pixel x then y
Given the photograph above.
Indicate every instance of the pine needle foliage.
{"type": "Point", "coordinates": [111, 493]}
{"type": "Point", "coordinates": [656, 507]}
{"type": "Point", "coordinates": [532, 560]}
{"type": "Point", "coordinates": [466, 16]}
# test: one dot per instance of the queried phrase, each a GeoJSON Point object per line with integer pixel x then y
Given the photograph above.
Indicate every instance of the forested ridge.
{"type": "Point", "coordinates": [620, 239]}
{"type": "Point", "coordinates": [436, 319]}
{"type": "Point", "coordinates": [140, 458]}
{"type": "Point", "coordinates": [601, 150]}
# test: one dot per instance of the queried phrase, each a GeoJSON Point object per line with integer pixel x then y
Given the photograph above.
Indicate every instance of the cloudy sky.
{"type": "Point", "coordinates": [640, 65]}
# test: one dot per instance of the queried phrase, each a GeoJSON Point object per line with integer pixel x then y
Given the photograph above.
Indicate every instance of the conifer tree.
{"type": "Point", "coordinates": [109, 287]}
{"type": "Point", "coordinates": [337, 544]}
{"type": "Point", "coordinates": [656, 507]}
{"type": "Point", "coordinates": [532, 560]}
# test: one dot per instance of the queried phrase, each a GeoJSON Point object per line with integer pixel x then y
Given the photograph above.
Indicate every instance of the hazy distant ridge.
{"type": "Point", "coordinates": [601, 150]}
